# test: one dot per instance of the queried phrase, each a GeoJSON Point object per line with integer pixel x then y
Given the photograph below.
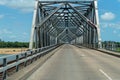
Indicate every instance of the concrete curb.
{"type": "Point", "coordinates": [106, 52]}
{"type": "Point", "coordinates": [109, 53]}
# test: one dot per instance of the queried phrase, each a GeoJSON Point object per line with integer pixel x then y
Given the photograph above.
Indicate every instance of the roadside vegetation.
{"type": "Point", "coordinates": [16, 44]}
{"type": "Point", "coordinates": [111, 45]}
{"type": "Point", "coordinates": [118, 49]}
{"type": "Point", "coordinates": [13, 47]}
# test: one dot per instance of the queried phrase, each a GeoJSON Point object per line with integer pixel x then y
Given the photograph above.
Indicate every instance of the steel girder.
{"type": "Point", "coordinates": [72, 19]}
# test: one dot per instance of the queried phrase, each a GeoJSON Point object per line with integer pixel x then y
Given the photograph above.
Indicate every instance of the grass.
{"type": "Point", "coordinates": [118, 49]}
{"type": "Point", "coordinates": [12, 50]}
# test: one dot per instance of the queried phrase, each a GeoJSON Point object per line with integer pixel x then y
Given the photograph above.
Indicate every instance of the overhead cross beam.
{"type": "Point", "coordinates": [83, 17]}
{"type": "Point", "coordinates": [47, 18]}
{"type": "Point", "coordinates": [56, 21]}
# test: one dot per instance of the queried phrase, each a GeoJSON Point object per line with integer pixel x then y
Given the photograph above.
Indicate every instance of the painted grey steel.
{"type": "Point", "coordinates": [36, 52]}
{"type": "Point", "coordinates": [97, 23]}
{"type": "Point", "coordinates": [34, 24]}
{"type": "Point", "coordinates": [75, 20]}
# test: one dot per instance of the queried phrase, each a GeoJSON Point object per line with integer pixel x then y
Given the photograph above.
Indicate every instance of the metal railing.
{"type": "Point", "coordinates": [13, 63]}
{"type": "Point", "coordinates": [111, 45]}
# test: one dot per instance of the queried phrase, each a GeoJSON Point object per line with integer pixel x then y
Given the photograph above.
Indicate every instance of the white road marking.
{"type": "Point", "coordinates": [105, 74]}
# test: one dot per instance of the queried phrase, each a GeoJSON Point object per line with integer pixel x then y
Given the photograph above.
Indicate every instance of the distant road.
{"type": "Point", "coordinates": [72, 63]}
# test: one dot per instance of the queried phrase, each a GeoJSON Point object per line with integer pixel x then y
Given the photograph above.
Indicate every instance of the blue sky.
{"type": "Point", "coordinates": [16, 19]}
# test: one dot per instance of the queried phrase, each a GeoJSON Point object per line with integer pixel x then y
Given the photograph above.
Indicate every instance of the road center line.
{"type": "Point", "coordinates": [105, 74]}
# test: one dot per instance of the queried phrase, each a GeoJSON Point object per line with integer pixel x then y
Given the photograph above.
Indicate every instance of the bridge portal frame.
{"type": "Point", "coordinates": [45, 30]}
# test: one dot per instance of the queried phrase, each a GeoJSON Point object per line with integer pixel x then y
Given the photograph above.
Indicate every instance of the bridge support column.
{"type": "Point", "coordinates": [97, 23]}
{"type": "Point", "coordinates": [41, 37]}
{"type": "Point", "coordinates": [36, 37]}
{"type": "Point", "coordinates": [34, 25]}
{"type": "Point", "coordinates": [85, 35]}
{"type": "Point", "coordinates": [45, 38]}
{"type": "Point", "coordinates": [90, 37]}
{"type": "Point", "coordinates": [95, 41]}
{"type": "Point", "coordinates": [56, 40]}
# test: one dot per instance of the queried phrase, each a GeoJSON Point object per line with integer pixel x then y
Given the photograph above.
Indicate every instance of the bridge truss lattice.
{"type": "Point", "coordinates": [73, 22]}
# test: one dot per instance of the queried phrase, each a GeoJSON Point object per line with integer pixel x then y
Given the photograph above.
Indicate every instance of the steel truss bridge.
{"type": "Point", "coordinates": [74, 22]}
{"type": "Point", "coordinates": [56, 25]}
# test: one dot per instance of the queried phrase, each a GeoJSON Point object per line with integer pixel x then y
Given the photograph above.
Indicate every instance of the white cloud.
{"type": "Point", "coordinates": [2, 2]}
{"type": "Point", "coordinates": [9, 35]}
{"type": "Point", "coordinates": [5, 31]}
{"type": "Point", "coordinates": [1, 16]}
{"type": "Point", "coordinates": [107, 16]}
{"type": "Point", "coordinates": [23, 5]}
{"type": "Point", "coordinates": [111, 25]}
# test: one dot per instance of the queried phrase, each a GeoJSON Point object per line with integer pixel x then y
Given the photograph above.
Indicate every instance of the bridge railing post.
{"type": "Point", "coordinates": [31, 55]}
{"type": "Point", "coordinates": [25, 63]}
{"type": "Point", "coordinates": [17, 66]}
{"type": "Point", "coordinates": [4, 65]}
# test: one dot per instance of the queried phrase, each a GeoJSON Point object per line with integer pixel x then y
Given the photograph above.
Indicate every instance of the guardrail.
{"type": "Point", "coordinates": [112, 53]}
{"type": "Point", "coordinates": [13, 63]}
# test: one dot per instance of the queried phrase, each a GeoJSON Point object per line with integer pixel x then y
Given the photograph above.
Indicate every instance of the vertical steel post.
{"type": "Point", "coordinates": [33, 25]}
{"type": "Point", "coordinates": [17, 59]}
{"type": "Point", "coordinates": [95, 39]}
{"type": "Point", "coordinates": [36, 38]}
{"type": "Point", "coordinates": [46, 38]}
{"type": "Point", "coordinates": [85, 29]}
{"type": "Point", "coordinates": [41, 43]}
{"type": "Point", "coordinates": [90, 37]}
{"type": "Point", "coordinates": [87, 35]}
{"type": "Point", "coordinates": [50, 39]}
{"type": "Point", "coordinates": [41, 29]}
{"type": "Point", "coordinates": [97, 23]}
{"type": "Point", "coordinates": [25, 63]}
{"type": "Point", "coordinates": [39, 38]}
{"type": "Point", "coordinates": [43, 39]}
{"type": "Point", "coordinates": [4, 65]}
{"type": "Point", "coordinates": [56, 40]}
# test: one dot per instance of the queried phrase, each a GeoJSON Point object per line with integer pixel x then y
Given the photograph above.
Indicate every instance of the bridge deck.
{"type": "Point", "coordinates": [72, 63]}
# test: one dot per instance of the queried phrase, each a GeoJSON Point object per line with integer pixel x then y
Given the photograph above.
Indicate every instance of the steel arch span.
{"type": "Point", "coordinates": [74, 22]}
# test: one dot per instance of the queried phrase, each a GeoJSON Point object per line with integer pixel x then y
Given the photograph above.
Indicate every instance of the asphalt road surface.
{"type": "Point", "coordinates": [72, 63]}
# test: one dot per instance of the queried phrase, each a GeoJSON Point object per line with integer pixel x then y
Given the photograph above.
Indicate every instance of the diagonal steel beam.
{"type": "Point", "coordinates": [83, 17]}
{"type": "Point", "coordinates": [77, 19]}
{"type": "Point", "coordinates": [74, 19]}
{"type": "Point", "coordinates": [73, 2]}
{"type": "Point", "coordinates": [61, 33]}
{"type": "Point", "coordinates": [47, 18]}
{"type": "Point", "coordinates": [70, 32]}
{"type": "Point", "coordinates": [56, 21]}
